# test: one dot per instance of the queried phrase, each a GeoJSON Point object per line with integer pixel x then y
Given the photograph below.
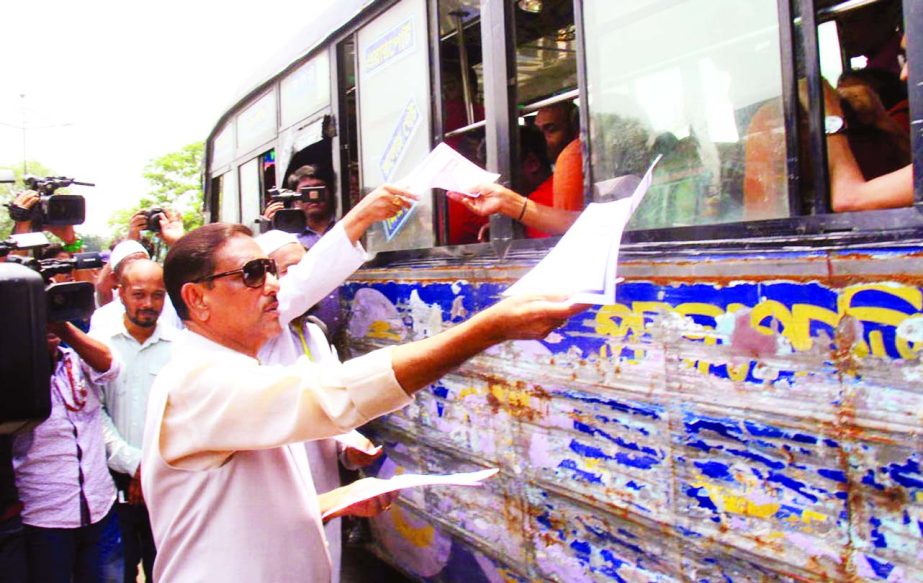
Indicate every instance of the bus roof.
{"type": "Point", "coordinates": [312, 36]}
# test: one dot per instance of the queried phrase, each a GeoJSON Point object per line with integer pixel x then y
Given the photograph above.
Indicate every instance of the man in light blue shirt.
{"type": "Point", "coordinates": [144, 346]}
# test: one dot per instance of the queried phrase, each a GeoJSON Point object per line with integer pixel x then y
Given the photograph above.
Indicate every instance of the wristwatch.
{"type": "Point", "coordinates": [834, 124]}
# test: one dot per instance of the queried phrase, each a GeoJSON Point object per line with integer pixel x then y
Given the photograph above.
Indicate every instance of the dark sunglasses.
{"type": "Point", "coordinates": [253, 272]}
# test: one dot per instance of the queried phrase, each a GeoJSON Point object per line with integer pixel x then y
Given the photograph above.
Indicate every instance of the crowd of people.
{"type": "Point", "coordinates": [198, 418]}
{"type": "Point", "coordinates": [199, 385]}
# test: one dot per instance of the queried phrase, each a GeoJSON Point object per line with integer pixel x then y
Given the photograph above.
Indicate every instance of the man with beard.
{"type": "Point", "coordinates": [143, 344]}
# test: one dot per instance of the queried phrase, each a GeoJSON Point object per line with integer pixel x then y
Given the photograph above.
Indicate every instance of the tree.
{"type": "Point", "coordinates": [8, 192]}
{"type": "Point", "coordinates": [176, 182]}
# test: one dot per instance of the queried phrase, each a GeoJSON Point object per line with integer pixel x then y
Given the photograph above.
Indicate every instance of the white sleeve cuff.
{"type": "Point", "coordinates": [373, 388]}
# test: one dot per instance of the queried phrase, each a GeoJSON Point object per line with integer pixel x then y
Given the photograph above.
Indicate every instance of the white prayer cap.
{"type": "Point", "coordinates": [272, 241]}
{"type": "Point", "coordinates": [123, 250]}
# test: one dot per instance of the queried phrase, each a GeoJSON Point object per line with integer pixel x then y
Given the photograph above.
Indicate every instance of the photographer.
{"type": "Point", "coordinates": [26, 201]}
{"type": "Point", "coordinates": [319, 215]}
{"type": "Point", "coordinates": [166, 223]}
{"type": "Point", "coordinates": [60, 464]}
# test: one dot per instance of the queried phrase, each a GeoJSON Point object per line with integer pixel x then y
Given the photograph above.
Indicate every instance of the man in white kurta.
{"type": "Point", "coordinates": [307, 339]}
{"type": "Point", "coordinates": [229, 495]}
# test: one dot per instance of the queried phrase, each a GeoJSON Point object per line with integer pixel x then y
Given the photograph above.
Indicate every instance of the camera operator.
{"type": "Point", "coordinates": [26, 200]}
{"type": "Point", "coordinates": [320, 219]}
{"type": "Point", "coordinates": [166, 223]}
{"type": "Point", "coordinates": [60, 464]}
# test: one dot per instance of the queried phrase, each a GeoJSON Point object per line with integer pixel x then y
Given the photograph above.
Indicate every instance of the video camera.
{"type": "Point", "coordinates": [52, 209]}
{"type": "Point", "coordinates": [291, 220]}
{"type": "Point", "coordinates": [28, 300]}
{"type": "Point", "coordinates": [71, 300]}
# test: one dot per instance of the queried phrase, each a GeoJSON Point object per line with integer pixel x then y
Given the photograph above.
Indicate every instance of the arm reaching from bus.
{"type": "Point", "coordinates": [849, 190]}
{"type": "Point", "coordinates": [495, 198]}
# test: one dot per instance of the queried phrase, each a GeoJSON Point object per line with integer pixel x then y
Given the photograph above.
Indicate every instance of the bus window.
{"type": "Point", "coordinates": [394, 116]}
{"type": "Point", "coordinates": [228, 201]}
{"type": "Point", "coordinates": [866, 113]}
{"type": "Point", "coordinates": [546, 88]}
{"type": "Point", "coordinates": [256, 178]}
{"type": "Point", "coordinates": [214, 198]}
{"type": "Point", "coordinates": [706, 97]}
{"type": "Point", "coordinates": [461, 73]}
{"type": "Point", "coordinates": [267, 175]}
{"type": "Point", "coordinates": [349, 136]}
{"type": "Point", "coordinates": [250, 192]}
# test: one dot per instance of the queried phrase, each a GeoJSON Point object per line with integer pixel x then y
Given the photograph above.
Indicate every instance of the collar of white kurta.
{"type": "Point", "coordinates": [191, 343]}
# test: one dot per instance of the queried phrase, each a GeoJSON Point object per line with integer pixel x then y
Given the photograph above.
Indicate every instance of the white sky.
{"type": "Point", "coordinates": [130, 80]}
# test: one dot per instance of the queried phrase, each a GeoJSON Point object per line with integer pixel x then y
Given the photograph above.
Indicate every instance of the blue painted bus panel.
{"type": "Point", "coordinates": [704, 430]}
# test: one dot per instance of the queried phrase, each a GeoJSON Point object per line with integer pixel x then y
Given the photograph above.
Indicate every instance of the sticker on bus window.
{"type": "Point", "coordinates": [400, 139]}
{"type": "Point", "coordinates": [390, 47]}
{"type": "Point", "coordinates": [393, 225]}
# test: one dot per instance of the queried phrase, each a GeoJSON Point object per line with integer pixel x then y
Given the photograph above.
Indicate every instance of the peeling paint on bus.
{"type": "Point", "coordinates": [707, 431]}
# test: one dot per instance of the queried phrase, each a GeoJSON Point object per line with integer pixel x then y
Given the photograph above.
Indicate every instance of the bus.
{"type": "Point", "coordinates": [751, 406]}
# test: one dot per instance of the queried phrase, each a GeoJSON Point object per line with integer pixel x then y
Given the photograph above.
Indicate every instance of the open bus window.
{"type": "Point", "coordinates": [708, 100]}
{"type": "Point", "coordinates": [461, 75]}
{"type": "Point", "coordinates": [267, 175]}
{"type": "Point", "coordinates": [859, 48]}
{"type": "Point", "coordinates": [257, 176]}
{"type": "Point", "coordinates": [550, 171]}
{"type": "Point", "coordinates": [349, 136]}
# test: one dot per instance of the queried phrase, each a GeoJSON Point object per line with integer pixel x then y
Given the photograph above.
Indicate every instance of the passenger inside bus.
{"type": "Point", "coordinates": [464, 226]}
{"type": "Point", "coordinates": [874, 109]}
{"type": "Point", "coordinates": [849, 189]}
{"type": "Point", "coordinates": [561, 128]}
{"type": "Point", "coordinates": [537, 210]}
{"type": "Point", "coordinates": [868, 155]}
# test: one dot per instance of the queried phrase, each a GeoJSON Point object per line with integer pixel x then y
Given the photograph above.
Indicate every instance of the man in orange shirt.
{"type": "Point", "coordinates": [557, 200]}
{"type": "Point", "coordinates": [558, 123]}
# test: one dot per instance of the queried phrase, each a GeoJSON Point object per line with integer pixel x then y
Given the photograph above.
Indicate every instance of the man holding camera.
{"type": "Point", "coordinates": [21, 211]}
{"type": "Point", "coordinates": [319, 186]}
{"type": "Point", "coordinates": [60, 465]}
{"type": "Point", "coordinates": [167, 224]}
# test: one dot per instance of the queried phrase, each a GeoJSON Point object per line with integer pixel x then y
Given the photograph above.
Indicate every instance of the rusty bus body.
{"type": "Point", "coordinates": [749, 409]}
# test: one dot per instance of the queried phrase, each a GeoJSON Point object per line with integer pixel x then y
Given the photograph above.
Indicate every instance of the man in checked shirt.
{"type": "Point", "coordinates": [60, 465]}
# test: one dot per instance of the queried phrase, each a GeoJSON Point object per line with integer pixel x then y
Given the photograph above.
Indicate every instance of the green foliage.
{"type": "Point", "coordinates": [176, 182]}
{"type": "Point", "coordinates": [93, 242]}
{"type": "Point", "coordinates": [8, 191]}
